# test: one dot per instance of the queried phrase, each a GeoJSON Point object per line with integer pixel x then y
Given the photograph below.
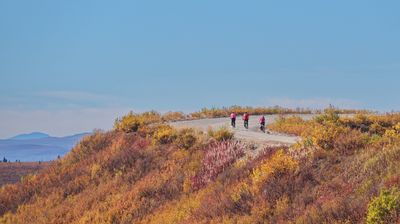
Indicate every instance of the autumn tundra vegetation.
{"type": "Point", "coordinates": [217, 112]}
{"type": "Point", "coordinates": [343, 170]}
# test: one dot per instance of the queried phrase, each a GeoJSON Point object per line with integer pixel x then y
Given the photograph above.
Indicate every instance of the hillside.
{"type": "Point", "coordinates": [344, 170]}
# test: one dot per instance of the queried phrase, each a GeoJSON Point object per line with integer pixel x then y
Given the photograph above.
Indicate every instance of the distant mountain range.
{"type": "Point", "coordinates": [37, 146]}
{"type": "Point", "coordinates": [30, 136]}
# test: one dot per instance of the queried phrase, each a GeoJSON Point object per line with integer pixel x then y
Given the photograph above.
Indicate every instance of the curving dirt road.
{"type": "Point", "coordinates": [253, 134]}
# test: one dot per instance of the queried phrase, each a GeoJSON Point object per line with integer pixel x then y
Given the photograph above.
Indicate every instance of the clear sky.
{"type": "Point", "coordinates": [71, 66]}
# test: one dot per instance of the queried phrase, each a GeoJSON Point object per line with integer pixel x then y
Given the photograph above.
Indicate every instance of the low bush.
{"type": "Point", "coordinates": [372, 123]}
{"type": "Point", "coordinates": [330, 115]}
{"type": "Point", "coordinates": [290, 125]}
{"type": "Point", "coordinates": [324, 136]}
{"type": "Point", "coordinates": [174, 116]}
{"type": "Point", "coordinates": [222, 134]}
{"type": "Point", "coordinates": [132, 121]}
{"type": "Point", "coordinates": [218, 157]}
{"type": "Point", "coordinates": [186, 138]}
{"type": "Point", "coordinates": [384, 208]}
{"type": "Point", "coordinates": [350, 140]}
{"type": "Point", "coordinates": [277, 164]}
{"type": "Point", "coordinates": [164, 134]}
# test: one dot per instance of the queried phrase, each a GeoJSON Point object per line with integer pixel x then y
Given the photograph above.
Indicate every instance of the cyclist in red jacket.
{"type": "Point", "coordinates": [233, 119]}
{"type": "Point", "coordinates": [262, 123]}
{"type": "Point", "coordinates": [246, 118]}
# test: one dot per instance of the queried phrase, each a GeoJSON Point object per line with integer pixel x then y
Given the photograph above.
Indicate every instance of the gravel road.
{"type": "Point", "coordinates": [253, 134]}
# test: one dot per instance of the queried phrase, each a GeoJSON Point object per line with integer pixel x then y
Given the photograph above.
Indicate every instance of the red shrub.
{"type": "Point", "coordinates": [218, 157]}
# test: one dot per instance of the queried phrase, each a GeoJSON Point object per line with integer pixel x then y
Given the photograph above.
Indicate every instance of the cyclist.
{"type": "Point", "coordinates": [262, 123]}
{"type": "Point", "coordinates": [246, 118]}
{"type": "Point", "coordinates": [233, 119]}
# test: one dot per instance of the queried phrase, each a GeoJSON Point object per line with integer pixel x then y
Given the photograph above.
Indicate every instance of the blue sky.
{"type": "Point", "coordinates": [71, 66]}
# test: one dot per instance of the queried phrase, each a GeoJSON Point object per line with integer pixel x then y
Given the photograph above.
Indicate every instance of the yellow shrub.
{"type": "Point", "coordinates": [290, 125]}
{"type": "Point", "coordinates": [132, 121]}
{"type": "Point", "coordinates": [384, 208]}
{"type": "Point", "coordinates": [165, 134]}
{"type": "Point", "coordinates": [324, 136]}
{"type": "Point", "coordinates": [397, 127]}
{"type": "Point", "coordinates": [128, 123]}
{"type": "Point", "coordinates": [330, 115]}
{"type": "Point", "coordinates": [221, 134]}
{"type": "Point", "coordinates": [390, 133]}
{"type": "Point", "coordinates": [242, 190]}
{"type": "Point", "coordinates": [392, 136]}
{"type": "Point", "coordinates": [278, 163]}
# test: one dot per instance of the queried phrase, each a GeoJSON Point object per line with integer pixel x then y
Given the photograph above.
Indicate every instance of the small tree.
{"type": "Point", "coordinates": [4, 160]}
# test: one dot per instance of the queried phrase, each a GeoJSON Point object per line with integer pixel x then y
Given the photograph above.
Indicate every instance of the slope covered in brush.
{"type": "Point", "coordinates": [345, 170]}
